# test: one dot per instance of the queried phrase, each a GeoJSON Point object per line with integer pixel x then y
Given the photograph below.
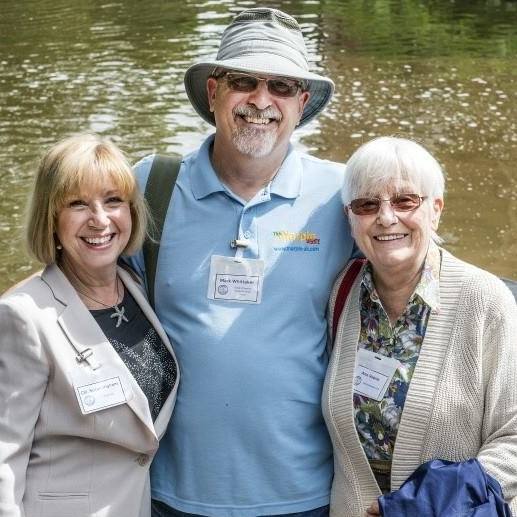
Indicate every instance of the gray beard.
{"type": "Point", "coordinates": [253, 142]}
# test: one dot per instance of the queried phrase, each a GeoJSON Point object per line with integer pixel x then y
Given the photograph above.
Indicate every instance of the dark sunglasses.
{"type": "Point", "coordinates": [245, 83]}
{"type": "Point", "coordinates": [399, 203]}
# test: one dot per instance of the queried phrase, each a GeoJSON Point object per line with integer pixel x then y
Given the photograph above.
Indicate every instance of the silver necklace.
{"type": "Point", "coordinates": [119, 311]}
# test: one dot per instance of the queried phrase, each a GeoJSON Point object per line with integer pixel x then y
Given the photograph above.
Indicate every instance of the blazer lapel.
{"type": "Point", "coordinates": [162, 420]}
{"type": "Point", "coordinates": [84, 333]}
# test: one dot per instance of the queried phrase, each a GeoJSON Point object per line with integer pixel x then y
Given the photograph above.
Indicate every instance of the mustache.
{"type": "Point", "coordinates": [250, 111]}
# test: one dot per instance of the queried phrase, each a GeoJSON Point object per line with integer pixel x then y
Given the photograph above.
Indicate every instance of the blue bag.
{"type": "Point", "coordinates": [442, 488]}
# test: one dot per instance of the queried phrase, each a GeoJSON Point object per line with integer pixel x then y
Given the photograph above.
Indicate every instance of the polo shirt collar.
{"type": "Point", "coordinates": [204, 181]}
{"type": "Point", "coordinates": [288, 180]}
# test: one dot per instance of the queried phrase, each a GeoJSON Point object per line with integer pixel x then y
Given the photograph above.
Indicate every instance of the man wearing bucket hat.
{"type": "Point", "coordinates": [252, 241]}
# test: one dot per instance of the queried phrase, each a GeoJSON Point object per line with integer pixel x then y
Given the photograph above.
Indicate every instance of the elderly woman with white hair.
{"type": "Point", "coordinates": [424, 363]}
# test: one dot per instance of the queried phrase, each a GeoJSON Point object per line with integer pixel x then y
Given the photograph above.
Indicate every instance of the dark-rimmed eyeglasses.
{"type": "Point", "coordinates": [398, 202]}
{"type": "Point", "coordinates": [247, 83]}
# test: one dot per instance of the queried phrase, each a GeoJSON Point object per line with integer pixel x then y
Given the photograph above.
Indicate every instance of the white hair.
{"type": "Point", "coordinates": [387, 162]}
{"type": "Point", "coordinates": [390, 163]}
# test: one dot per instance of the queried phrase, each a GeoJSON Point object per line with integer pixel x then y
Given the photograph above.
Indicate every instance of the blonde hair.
{"type": "Point", "coordinates": [72, 165]}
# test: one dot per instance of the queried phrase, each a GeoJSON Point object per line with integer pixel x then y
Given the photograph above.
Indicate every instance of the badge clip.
{"type": "Point", "coordinates": [239, 243]}
{"type": "Point", "coordinates": [85, 356]}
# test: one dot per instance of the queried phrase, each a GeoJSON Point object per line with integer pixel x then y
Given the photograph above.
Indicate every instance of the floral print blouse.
{"type": "Point", "coordinates": [377, 422]}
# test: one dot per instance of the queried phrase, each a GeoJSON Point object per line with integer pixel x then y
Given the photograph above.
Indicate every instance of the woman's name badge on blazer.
{"type": "Point", "coordinates": [99, 389]}
{"type": "Point", "coordinates": [373, 374]}
{"type": "Point", "coordinates": [235, 279]}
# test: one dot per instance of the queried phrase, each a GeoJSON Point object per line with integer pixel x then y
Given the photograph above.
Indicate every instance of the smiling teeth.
{"type": "Point", "coordinates": [254, 120]}
{"type": "Point", "coordinates": [391, 237]}
{"type": "Point", "coordinates": [98, 240]}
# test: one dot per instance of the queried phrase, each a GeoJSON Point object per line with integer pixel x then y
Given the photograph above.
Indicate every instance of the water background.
{"type": "Point", "coordinates": [443, 72]}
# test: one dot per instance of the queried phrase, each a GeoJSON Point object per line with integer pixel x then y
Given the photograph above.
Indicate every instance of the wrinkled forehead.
{"type": "Point", "coordinates": [387, 187]}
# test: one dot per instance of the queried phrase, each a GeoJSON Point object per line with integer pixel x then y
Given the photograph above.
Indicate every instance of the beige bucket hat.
{"type": "Point", "coordinates": [261, 41]}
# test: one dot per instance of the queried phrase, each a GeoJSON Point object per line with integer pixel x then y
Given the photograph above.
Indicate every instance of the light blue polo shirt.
{"type": "Point", "coordinates": [247, 437]}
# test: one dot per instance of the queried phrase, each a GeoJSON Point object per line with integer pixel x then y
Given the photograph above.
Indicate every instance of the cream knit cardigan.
{"type": "Point", "coordinates": [462, 400]}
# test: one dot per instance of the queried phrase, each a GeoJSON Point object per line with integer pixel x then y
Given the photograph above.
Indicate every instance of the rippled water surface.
{"type": "Point", "coordinates": [443, 72]}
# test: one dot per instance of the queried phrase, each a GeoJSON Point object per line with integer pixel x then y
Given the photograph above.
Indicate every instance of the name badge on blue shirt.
{"type": "Point", "coordinates": [235, 279]}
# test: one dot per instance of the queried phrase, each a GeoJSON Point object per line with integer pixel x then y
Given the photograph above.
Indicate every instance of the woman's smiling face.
{"type": "Point", "coordinates": [392, 240]}
{"type": "Point", "coordinates": [94, 227]}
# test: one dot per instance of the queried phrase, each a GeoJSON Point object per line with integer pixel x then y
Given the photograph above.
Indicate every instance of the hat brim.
{"type": "Point", "coordinates": [320, 88]}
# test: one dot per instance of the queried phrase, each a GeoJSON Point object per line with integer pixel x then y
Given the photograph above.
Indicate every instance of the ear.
{"type": "Point", "coordinates": [350, 218]}
{"type": "Point", "coordinates": [302, 101]}
{"type": "Point", "coordinates": [437, 212]}
{"type": "Point", "coordinates": [211, 89]}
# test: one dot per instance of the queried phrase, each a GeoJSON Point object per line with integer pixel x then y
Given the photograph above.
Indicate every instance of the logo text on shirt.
{"type": "Point", "coordinates": [295, 241]}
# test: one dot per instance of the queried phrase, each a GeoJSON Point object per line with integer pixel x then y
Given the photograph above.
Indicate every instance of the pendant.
{"type": "Point", "coordinates": [119, 313]}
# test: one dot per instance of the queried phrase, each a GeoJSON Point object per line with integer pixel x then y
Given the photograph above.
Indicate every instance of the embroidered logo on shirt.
{"type": "Point", "coordinates": [295, 241]}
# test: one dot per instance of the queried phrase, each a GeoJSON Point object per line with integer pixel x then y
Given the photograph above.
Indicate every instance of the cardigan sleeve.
{"type": "Point", "coordinates": [498, 452]}
{"type": "Point", "coordinates": [24, 372]}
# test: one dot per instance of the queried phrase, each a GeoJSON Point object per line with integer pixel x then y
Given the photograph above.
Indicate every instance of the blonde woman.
{"type": "Point", "coordinates": [88, 376]}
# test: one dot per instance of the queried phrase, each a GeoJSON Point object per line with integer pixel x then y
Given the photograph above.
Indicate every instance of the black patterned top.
{"type": "Point", "coordinates": [141, 349]}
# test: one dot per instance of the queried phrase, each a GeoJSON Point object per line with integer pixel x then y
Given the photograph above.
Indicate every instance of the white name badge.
{"type": "Point", "coordinates": [235, 279]}
{"type": "Point", "coordinates": [373, 373]}
{"type": "Point", "coordinates": [99, 389]}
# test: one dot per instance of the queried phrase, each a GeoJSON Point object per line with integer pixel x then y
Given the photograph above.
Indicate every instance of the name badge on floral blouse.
{"type": "Point", "coordinates": [373, 373]}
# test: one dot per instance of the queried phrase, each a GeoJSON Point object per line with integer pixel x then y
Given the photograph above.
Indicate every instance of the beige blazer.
{"type": "Point", "coordinates": [55, 461]}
